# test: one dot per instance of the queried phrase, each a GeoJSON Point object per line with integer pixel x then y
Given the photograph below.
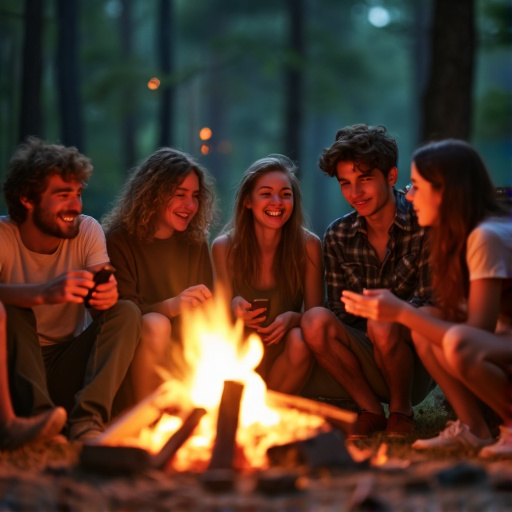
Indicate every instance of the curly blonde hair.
{"type": "Point", "coordinates": [147, 191]}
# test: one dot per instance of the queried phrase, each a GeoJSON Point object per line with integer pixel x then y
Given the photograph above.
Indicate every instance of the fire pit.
{"type": "Point", "coordinates": [220, 417]}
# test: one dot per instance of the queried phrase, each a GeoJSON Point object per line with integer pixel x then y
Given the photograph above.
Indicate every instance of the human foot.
{"type": "Point", "coordinates": [19, 431]}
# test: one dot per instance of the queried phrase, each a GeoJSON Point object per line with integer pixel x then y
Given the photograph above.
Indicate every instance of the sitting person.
{"type": "Point", "coordinates": [466, 344]}
{"type": "Point", "coordinates": [49, 253]}
{"type": "Point", "coordinates": [15, 431]}
{"type": "Point", "coordinates": [157, 240]}
{"type": "Point", "coordinates": [266, 253]}
{"type": "Point", "coordinates": [379, 244]}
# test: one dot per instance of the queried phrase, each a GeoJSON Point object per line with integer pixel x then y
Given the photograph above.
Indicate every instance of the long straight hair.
{"type": "Point", "coordinates": [455, 169]}
{"type": "Point", "coordinates": [287, 268]}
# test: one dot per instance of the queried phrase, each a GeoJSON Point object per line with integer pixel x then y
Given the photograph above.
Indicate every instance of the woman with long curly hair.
{"type": "Point", "coordinates": [466, 343]}
{"type": "Point", "coordinates": [157, 240]}
{"type": "Point", "coordinates": [265, 252]}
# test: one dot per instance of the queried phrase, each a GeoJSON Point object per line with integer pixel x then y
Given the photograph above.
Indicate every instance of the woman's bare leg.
{"type": "Point", "coordinates": [150, 354]}
{"type": "Point", "coordinates": [466, 405]}
{"type": "Point", "coordinates": [483, 362]}
{"type": "Point", "coordinates": [291, 368]}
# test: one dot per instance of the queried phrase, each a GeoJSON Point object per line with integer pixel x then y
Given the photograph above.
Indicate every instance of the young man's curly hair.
{"type": "Point", "coordinates": [32, 164]}
{"type": "Point", "coordinates": [369, 147]}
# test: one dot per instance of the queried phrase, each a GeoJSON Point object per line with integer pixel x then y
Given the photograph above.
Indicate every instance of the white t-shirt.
{"type": "Point", "coordinates": [489, 255]}
{"type": "Point", "coordinates": [55, 322]}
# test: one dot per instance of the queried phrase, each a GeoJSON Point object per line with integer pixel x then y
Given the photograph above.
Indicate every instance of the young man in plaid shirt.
{"type": "Point", "coordinates": [379, 245]}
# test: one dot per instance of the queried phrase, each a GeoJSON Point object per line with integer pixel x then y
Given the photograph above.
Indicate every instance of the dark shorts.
{"type": "Point", "coordinates": [321, 384]}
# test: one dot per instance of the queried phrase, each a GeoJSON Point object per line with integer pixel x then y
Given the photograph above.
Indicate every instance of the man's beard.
{"type": "Point", "coordinates": [48, 224]}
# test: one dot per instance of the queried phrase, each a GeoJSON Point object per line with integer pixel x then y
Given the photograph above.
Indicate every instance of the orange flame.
{"type": "Point", "coordinates": [216, 350]}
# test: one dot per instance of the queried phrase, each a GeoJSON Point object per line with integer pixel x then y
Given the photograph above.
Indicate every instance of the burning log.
{"type": "Point", "coordinates": [336, 416]}
{"type": "Point", "coordinates": [220, 476]}
{"type": "Point", "coordinates": [227, 424]}
{"type": "Point", "coordinates": [131, 422]}
{"type": "Point", "coordinates": [130, 459]}
{"type": "Point", "coordinates": [164, 456]}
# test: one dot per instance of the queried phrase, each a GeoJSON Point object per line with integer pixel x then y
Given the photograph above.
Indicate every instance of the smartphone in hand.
{"type": "Point", "coordinates": [261, 303]}
{"type": "Point", "coordinates": [100, 277]}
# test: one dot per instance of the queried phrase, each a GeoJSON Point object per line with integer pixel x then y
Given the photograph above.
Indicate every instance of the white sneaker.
{"type": "Point", "coordinates": [503, 445]}
{"type": "Point", "coordinates": [456, 433]}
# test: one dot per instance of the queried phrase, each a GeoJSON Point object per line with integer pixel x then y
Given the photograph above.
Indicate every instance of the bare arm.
{"type": "Point", "coordinates": [382, 305]}
{"type": "Point", "coordinates": [240, 307]}
{"type": "Point", "coordinates": [222, 275]}
{"type": "Point", "coordinates": [314, 274]}
{"type": "Point", "coordinates": [191, 297]}
{"type": "Point", "coordinates": [71, 286]}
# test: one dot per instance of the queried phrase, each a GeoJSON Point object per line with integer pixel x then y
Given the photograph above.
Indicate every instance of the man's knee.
{"type": "Point", "coordinates": [386, 336]}
{"type": "Point", "coordinates": [125, 319]}
{"type": "Point", "coordinates": [21, 325]}
{"type": "Point", "coordinates": [17, 316]}
{"type": "Point", "coordinates": [128, 311]}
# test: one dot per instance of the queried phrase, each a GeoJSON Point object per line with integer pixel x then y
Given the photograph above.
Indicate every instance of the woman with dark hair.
{"type": "Point", "coordinates": [157, 240]}
{"type": "Point", "coordinates": [466, 342]}
{"type": "Point", "coordinates": [266, 252]}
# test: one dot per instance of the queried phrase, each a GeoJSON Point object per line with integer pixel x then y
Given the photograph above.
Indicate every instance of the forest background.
{"type": "Point", "coordinates": [121, 78]}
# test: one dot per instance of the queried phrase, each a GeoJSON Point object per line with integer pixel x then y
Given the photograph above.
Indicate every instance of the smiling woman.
{"type": "Point", "coordinates": [157, 240]}
{"type": "Point", "coordinates": [466, 341]}
{"type": "Point", "coordinates": [266, 253]}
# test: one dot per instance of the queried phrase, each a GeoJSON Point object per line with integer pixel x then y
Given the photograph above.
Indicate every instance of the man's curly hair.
{"type": "Point", "coordinates": [369, 147]}
{"type": "Point", "coordinates": [31, 166]}
{"type": "Point", "coordinates": [149, 188]}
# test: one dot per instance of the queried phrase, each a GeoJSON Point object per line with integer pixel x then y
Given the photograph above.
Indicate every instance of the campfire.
{"type": "Point", "coordinates": [220, 415]}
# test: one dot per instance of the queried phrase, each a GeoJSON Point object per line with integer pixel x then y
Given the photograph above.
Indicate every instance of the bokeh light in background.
{"type": "Point", "coordinates": [154, 84]}
{"type": "Point", "coordinates": [205, 133]}
{"type": "Point", "coordinates": [379, 17]}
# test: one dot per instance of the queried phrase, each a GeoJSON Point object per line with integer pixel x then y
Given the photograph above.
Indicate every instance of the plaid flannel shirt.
{"type": "Point", "coordinates": [351, 263]}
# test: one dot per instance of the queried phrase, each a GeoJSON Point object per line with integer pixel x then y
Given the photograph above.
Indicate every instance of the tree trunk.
{"type": "Point", "coordinates": [165, 52]}
{"type": "Point", "coordinates": [294, 79]}
{"type": "Point", "coordinates": [68, 82]}
{"type": "Point", "coordinates": [30, 114]}
{"type": "Point", "coordinates": [128, 127]}
{"type": "Point", "coordinates": [448, 98]}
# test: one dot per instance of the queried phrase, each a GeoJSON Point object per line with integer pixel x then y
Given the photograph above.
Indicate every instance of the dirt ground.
{"type": "Point", "coordinates": [51, 478]}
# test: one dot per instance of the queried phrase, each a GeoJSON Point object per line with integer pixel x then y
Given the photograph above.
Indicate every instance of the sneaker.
{"type": "Point", "coordinates": [455, 434]}
{"type": "Point", "coordinates": [367, 423]}
{"type": "Point", "coordinates": [399, 425]}
{"type": "Point", "coordinates": [503, 445]}
{"type": "Point", "coordinates": [84, 431]}
{"type": "Point", "coordinates": [19, 431]}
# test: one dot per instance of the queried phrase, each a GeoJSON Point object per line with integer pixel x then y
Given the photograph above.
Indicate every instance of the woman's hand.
{"type": "Point", "coordinates": [252, 318]}
{"type": "Point", "coordinates": [275, 332]}
{"type": "Point", "coordinates": [380, 304]}
{"type": "Point", "coordinates": [191, 297]}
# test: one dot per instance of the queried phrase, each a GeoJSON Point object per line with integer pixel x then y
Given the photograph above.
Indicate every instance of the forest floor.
{"type": "Point", "coordinates": [49, 477]}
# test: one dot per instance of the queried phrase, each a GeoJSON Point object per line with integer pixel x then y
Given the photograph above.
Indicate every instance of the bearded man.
{"type": "Point", "coordinates": [60, 352]}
